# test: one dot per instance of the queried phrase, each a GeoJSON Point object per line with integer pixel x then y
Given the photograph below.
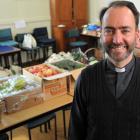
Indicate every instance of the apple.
{"type": "Point", "coordinates": [55, 72]}
{"type": "Point", "coordinates": [40, 74]}
{"type": "Point", "coordinates": [33, 71]}
{"type": "Point", "coordinates": [48, 72]}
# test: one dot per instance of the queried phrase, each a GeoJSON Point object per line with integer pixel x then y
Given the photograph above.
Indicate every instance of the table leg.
{"type": "Point", "coordinates": [19, 59]}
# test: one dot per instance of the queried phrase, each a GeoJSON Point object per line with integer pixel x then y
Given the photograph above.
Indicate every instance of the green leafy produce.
{"type": "Point", "coordinates": [12, 85]}
{"type": "Point", "coordinates": [68, 64]}
{"type": "Point", "coordinates": [19, 83]}
{"type": "Point", "coordinates": [4, 85]}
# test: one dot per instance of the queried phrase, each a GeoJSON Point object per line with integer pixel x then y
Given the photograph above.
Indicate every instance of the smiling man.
{"type": "Point", "coordinates": [119, 32]}
{"type": "Point", "coordinates": [106, 103]}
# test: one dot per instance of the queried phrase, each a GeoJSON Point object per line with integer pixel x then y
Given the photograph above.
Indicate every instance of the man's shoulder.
{"type": "Point", "coordinates": [97, 66]}
{"type": "Point", "coordinates": [137, 60]}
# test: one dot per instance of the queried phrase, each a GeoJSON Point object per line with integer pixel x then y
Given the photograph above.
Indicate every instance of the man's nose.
{"type": "Point", "coordinates": [117, 37]}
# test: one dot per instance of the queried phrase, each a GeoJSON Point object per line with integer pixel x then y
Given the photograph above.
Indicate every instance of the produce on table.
{"type": "Point", "coordinates": [14, 85]}
{"type": "Point", "coordinates": [60, 56]}
{"type": "Point", "coordinates": [43, 70]}
{"type": "Point", "coordinates": [68, 64]}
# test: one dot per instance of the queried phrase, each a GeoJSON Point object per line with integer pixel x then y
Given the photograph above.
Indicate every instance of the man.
{"type": "Point", "coordinates": [106, 102]}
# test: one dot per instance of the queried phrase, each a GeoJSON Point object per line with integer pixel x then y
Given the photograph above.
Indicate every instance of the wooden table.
{"type": "Point", "coordinates": [14, 120]}
{"type": "Point", "coordinates": [6, 51]}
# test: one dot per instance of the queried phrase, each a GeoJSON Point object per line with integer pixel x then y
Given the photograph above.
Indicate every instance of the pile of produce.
{"type": "Point", "coordinates": [60, 56]}
{"type": "Point", "coordinates": [43, 70]}
{"type": "Point", "coordinates": [14, 85]}
{"type": "Point", "coordinates": [76, 55]}
{"type": "Point", "coordinates": [68, 64]}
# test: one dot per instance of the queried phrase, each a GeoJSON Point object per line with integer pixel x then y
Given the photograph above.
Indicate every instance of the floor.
{"type": "Point", "coordinates": [22, 134]}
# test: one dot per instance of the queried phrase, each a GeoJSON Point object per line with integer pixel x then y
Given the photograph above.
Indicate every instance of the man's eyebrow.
{"type": "Point", "coordinates": [109, 27]}
{"type": "Point", "coordinates": [113, 28]}
{"type": "Point", "coordinates": [124, 27]}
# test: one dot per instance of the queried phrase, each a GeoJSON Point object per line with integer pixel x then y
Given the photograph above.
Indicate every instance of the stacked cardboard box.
{"type": "Point", "coordinates": [52, 86]}
{"type": "Point", "coordinates": [74, 67]}
{"type": "Point", "coordinates": [18, 99]}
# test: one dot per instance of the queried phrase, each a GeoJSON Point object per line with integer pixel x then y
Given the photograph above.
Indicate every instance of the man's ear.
{"type": "Point", "coordinates": [138, 38]}
{"type": "Point", "coordinates": [138, 34]}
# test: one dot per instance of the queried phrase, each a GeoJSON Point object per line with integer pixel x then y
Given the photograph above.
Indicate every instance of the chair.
{"type": "Point", "coordinates": [4, 136]}
{"type": "Point", "coordinates": [43, 41]}
{"type": "Point", "coordinates": [6, 38]}
{"type": "Point", "coordinates": [42, 121]}
{"type": "Point", "coordinates": [30, 52]}
{"type": "Point", "coordinates": [74, 42]}
{"type": "Point", "coordinates": [45, 120]}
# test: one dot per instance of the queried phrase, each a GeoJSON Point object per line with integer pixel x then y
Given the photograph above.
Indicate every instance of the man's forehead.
{"type": "Point", "coordinates": [118, 17]}
{"type": "Point", "coordinates": [119, 10]}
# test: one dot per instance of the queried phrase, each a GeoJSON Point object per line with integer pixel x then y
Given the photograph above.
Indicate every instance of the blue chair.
{"type": "Point", "coordinates": [43, 41]}
{"type": "Point", "coordinates": [74, 42]}
{"type": "Point", "coordinates": [6, 38]}
{"type": "Point", "coordinates": [42, 121]}
{"type": "Point", "coordinates": [4, 136]}
{"type": "Point", "coordinates": [30, 52]}
{"type": "Point", "coordinates": [45, 120]}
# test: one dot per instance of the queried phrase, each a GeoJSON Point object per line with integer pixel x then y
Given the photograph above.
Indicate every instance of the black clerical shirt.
{"type": "Point", "coordinates": [118, 81]}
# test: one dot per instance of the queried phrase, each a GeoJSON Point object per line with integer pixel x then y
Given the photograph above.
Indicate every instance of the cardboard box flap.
{"type": "Point", "coordinates": [75, 73]}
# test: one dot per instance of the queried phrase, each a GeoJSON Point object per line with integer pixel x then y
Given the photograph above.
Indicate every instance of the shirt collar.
{"type": "Point", "coordinates": [111, 67]}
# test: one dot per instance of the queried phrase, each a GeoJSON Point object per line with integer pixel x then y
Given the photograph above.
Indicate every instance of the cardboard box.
{"type": "Point", "coordinates": [52, 86]}
{"type": "Point", "coordinates": [23, 100]}
{"type": "Point", "coordinates": [74, 68]}
{"type": "Point", "coordinates": [1, 109]}
{"type": "Point", "coordinates": [17, 98]}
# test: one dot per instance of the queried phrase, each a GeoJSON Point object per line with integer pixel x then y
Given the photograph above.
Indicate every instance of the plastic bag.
{"type": "Point", "coordinates": [29, 41]}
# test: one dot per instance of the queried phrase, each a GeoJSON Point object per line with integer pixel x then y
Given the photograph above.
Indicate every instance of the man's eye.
{"type": "Point", "coordinates": [125, 31]}
{"type": "Point", "coordinates": [108, 32]}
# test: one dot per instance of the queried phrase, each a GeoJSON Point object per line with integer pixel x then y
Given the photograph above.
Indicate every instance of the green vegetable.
{"type": "Point", "coordinates": [13, 84]}
{"type": "Point", "coordinates": [68, 65]}
{"type": "Point", "coordinates": [20, 83]}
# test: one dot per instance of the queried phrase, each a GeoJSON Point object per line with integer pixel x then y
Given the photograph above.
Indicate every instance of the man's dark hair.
{"type": "Point", "coordinates": [127, 4]}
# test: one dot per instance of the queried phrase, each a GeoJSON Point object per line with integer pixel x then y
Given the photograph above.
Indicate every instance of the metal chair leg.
{"type": "Point", "coordinates": [38, 54]}
{"type": "Point", "coordinates": [64, 122]}
{"type": "Point", "coordinates": [55, 126]}
{"type": "Point", "coordinates": [45, 127]}
{"type": "Point", "coordinates": [41, 128]}
{"type": "Point", "coordinates": [49, 125]}
{"type": "Point", "coordinates": [11, 135]}
{"type": "Point", "coordinates": [29, 133]}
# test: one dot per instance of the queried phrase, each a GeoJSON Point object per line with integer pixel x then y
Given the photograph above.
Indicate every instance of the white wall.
{"type": "Point", "coordinates": [96, 5]}
{"type": "Point", "coordinates": [94, 8]}
{"type": "Point", "coordinates": [137, 4]}
{"type": "Point", "coordinates": [36, 13]}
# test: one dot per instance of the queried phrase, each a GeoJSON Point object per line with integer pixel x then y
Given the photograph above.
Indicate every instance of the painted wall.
{"type": "Point", "coordinates": [95, 6]}
{"type": "Point", "coordinates": [36, 13]}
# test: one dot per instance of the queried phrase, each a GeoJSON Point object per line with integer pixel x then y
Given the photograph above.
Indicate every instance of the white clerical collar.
{"type": "Point", "coordinates": [120, 69]}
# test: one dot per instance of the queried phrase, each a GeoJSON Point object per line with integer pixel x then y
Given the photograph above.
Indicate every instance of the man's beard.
{"type": "Point", "coordinates": [112, 46]}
